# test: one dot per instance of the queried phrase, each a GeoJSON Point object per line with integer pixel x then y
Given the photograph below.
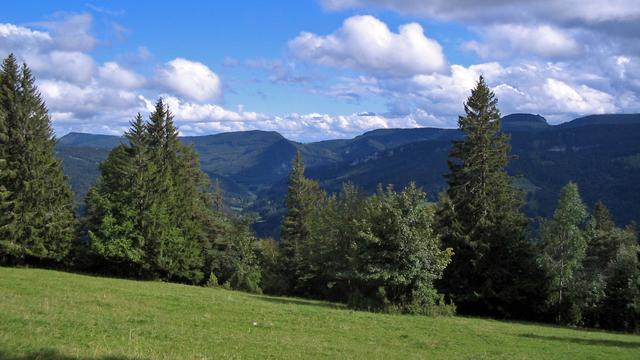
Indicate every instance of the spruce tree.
{"type": "Point", "coordinates": [301, 200]}
{"type": "Point", "coordinates": [564, 247]}
{"type": "Point", "coordinates": [150, 208]}
{"type": "Point", "coordinates": [5, 199]}
{"type": "Point", "coordinates": [38, 221]}
{"type": "Point", "coordinates": [479, 217]}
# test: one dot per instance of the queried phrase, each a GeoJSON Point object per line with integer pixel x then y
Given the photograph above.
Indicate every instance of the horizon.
{"type": "Point", "coordinates": [334, 69]}
{"type": "Point", "coordinates": [354, 136]}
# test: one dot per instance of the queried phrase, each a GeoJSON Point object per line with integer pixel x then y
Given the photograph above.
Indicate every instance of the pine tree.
{"type": "Point", "coordinates": [302, 197]}
{"type": "Point", "coordinates": [40, 224]}
{"type": "Point", "coordinates": [563, 250]}
{"type": "Point", "coordinates": [480, 219]}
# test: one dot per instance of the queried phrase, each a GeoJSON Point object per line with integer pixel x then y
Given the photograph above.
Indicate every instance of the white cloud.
{"type": "Point", "coordinates": [112, 73]}
{"type": "Point", "coordinates": [542, 40]}
{"type": "Point", "coordinates": [72, 32]}
{"type": "Point", "coordinates": [366, 43]}
{"type": "Point", "coordinates": [588, 11]}
{"type": "Point", "coordinates": [71, 66]}
{"type": "Point", "coordinates": [14, 37]}
{"type": "Point", "coordinates": [87, 102]}
{"type": "Point", "coordinates": [189, 78]}
{"type": "Point", "coordinates": [578, 99]}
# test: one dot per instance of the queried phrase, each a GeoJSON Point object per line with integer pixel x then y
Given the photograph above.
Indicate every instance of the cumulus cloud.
{"type": "Point", "coordinates": [87, 101]}
{"type": "Point", "coordinates": [543, 40]}
{"type": "Point", "coordinates": [402, 68]}
{"type": "Point", "coordinates": [18, 37]}
{"type": "Point", "coordinates": [189, 78]}
{"type": "Point", "coordinates": [114, 74]}
{"type": "Point", "coordinates": [366, 43]}
{"type": "Point", "coordinates": [587, 11]}
{"type": "Point", "coordinates": [580, 99]}
{"type": "Point", "coordinates": [72, 66]}
{"type": "Point", "coordinates": [606, 23]}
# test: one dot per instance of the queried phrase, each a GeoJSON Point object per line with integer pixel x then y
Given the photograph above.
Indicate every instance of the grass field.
{"type": "Point", "coordinates": [55, 315]}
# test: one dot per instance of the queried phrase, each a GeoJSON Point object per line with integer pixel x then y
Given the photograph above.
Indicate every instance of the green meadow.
{"type": "Point", "coordinates": [47, 314]}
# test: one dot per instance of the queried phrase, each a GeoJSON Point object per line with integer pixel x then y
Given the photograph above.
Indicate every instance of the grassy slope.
{"type": "Point", "coordinates": [48, 314]}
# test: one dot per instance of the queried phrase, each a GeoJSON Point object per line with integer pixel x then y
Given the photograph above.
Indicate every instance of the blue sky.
{"type": "Point", "coordinates": [323, 69]}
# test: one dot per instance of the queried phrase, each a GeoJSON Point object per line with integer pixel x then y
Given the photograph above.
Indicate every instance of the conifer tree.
{"type": "Point", "coordinates": [5, 200]}
{"type": "Point", "coordinates": [218, 201]}
{"type": "Point", "coordinates": [302, 197]}
{"type": "Point", "coordinates": [117, 205]}
{"type": "Point", "coordinates": [38, 221]}
{"type": "Point", "coordinates": [563, 250]}
{"type": "Point", "coordinates": [479, 217]}
{"type": "Point", "coordinates": [150, 208]}
{"type": "Point", "coordinates": [610, 278]}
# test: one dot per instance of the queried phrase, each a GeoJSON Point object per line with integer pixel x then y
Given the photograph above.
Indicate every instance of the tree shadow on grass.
{"type": "Point", "coordinates": [582, 341]}
{"type": "Point", "coordinates": [285, 301]}
{"type": "Point", "coordinates": [53, 354]}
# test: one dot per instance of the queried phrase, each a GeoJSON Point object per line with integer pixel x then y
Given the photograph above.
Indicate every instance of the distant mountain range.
{"type": "Point", "coordinates": [599, 152]}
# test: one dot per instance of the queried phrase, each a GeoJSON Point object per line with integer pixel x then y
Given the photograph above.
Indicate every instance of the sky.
{"type": "Point", "coordinates": [323, 69]}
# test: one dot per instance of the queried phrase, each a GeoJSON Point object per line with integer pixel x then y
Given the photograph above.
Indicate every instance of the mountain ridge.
{"type": "Point", "coordinates": [601, 153]}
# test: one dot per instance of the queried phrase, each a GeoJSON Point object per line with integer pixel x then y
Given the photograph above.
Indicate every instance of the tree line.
{"type": "Point", "coordinates": [154, 214]}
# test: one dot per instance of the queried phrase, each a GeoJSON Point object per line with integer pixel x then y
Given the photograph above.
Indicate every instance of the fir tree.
{"type": "Point", "coordinates": [38, 224]}
{"type": "Point", "coordinates": [480, 218]}
{"type": "Point", "coordinates": [5, 199]}
{"type": "Point", "coordinates": [150, 208]}
{"type": "Point", "coordinates": [302, 197]}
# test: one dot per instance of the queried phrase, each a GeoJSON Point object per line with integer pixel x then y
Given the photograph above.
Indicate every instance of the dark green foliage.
{"type": "Point", "coordinates": [150, 212]}
{"type": "Point", "coordinates": [302, 200]}
{"type": "Point", "coordinates": [37, 221]}
{"type": "Point", "coordinates": [612, 273]}
{"type": "Point", "coordinates": [480, 218]}
{"type": "Point", "coordinates": [252, 166]}
{"type": "Point", "coordinates": [564, 245]}
{"type": "Point", "coordinates": [268, 253]}
{"type": "Point", "coordinates": [593, 268]}
{"type": "Point", "coordinates": [235, 256]}
{"type": "Point", "coordinates": [398, 256]}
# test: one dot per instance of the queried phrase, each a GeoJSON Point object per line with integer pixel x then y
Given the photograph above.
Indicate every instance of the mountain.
{"type": "Point", "coordinates": [524, 122]}
{"type": "Point", "coordinates": [599, 152]}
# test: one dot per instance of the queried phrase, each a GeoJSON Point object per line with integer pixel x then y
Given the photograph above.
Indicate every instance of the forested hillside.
{"type": "Point", "coordinates": [601, 153]}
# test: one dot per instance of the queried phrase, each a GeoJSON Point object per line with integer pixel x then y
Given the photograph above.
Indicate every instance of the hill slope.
{"type": "Point", "coordinates": [600, 152]}
{"type": "Point", "coordinates": [55, 315]}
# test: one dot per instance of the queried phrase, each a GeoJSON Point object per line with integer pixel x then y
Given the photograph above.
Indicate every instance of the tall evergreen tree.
{"type": "Point", "coordinates": [563, 249]}
{"type": "Point", "coordinates": [117, 204]}
{"type": "Point", "coordinates": [150, 208]}
{"type": "Point", "coordinates": [38, 222]}
{"type": "Point", "coordinates": [5, 201]}
{"type": "Point", "coordinates": [480, 218]}
{"type": "Point", "coordinates": [303, 196]}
